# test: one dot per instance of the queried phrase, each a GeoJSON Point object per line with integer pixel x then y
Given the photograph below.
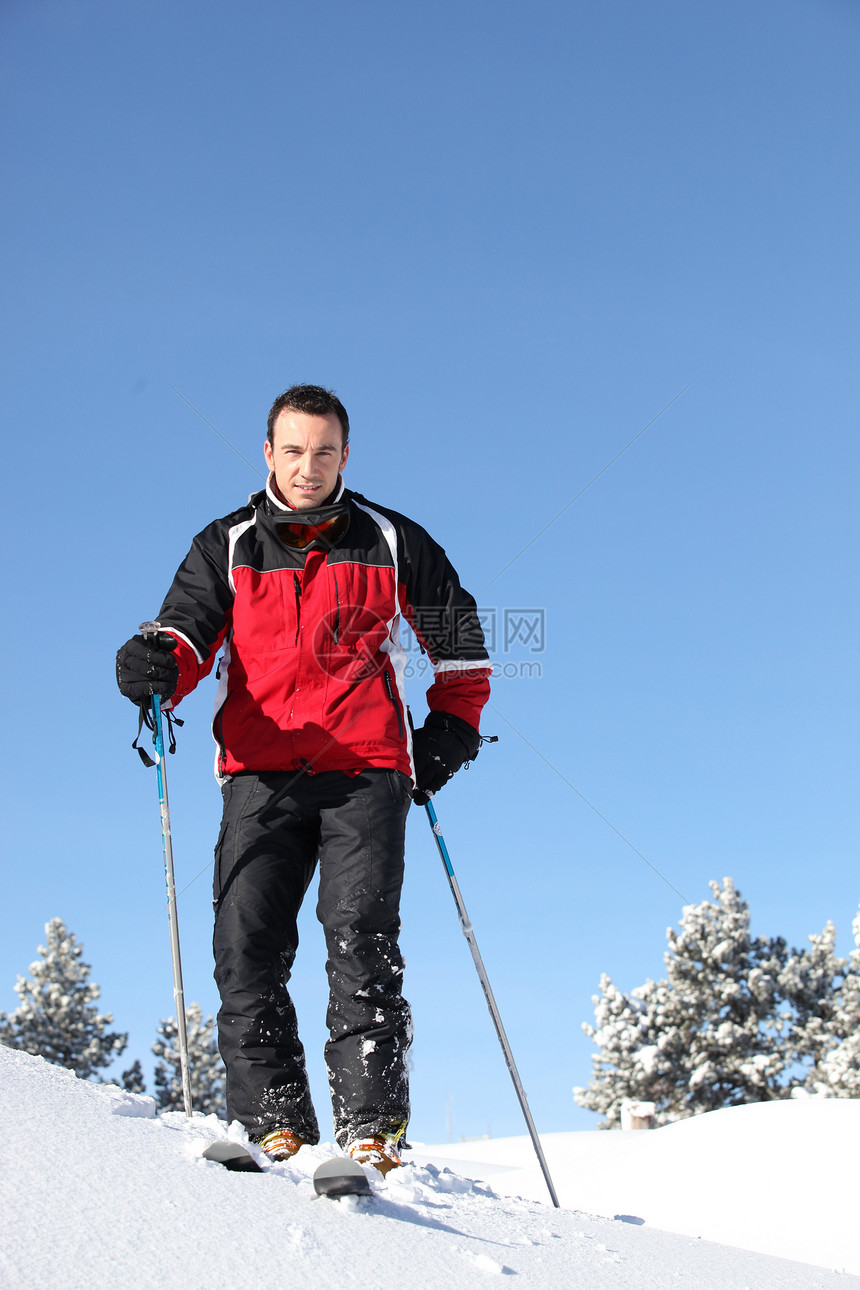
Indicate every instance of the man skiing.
{"type": "Point", "coordinates": [302, 591]}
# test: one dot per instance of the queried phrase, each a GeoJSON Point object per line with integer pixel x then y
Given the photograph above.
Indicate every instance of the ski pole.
{"type": "Point", "coordinates": [469, 933]}
{"type": "Point", "coordinates": [149, 629]}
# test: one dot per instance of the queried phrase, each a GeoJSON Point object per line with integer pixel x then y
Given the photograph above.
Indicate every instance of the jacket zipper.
{"type": "Point", "coordinates": [387, 680]}
{"type": "Point", "coordinates": [336, 628]}
{"type": "Point", "coordinates": [222, 750]}
{"type": "Point", "coordinates": [298, 587]}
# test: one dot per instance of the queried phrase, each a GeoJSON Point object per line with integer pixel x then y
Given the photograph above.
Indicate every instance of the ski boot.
{"type": "Point", "coordinates": [379, 1151]}
{"type": "Point", "coordinates": [280, 1144]}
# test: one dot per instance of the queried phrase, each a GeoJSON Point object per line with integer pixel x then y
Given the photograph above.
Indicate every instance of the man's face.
{"type": "Point", "coordinates": [307, 455]}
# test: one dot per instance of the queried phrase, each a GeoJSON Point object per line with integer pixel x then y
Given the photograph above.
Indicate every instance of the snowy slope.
{"type": "Point", "coordinates": [776, 1177]}
{"type": "Point", "coordinates": [97, 1194]}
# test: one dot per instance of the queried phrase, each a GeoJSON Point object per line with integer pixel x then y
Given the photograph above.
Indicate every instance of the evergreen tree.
{"type": "Point", "coordinates": [823, 991]}
{"type": "Point", "coordinates": [707, 1036]}
{"type": "Point", "coordinates": [57, 1017]}
{"type": "Point", "coordinates": [133, 1079]}
{"type": "Point", "coordinates": [810, 981]}
{"type": "Point", "coordinates": [632, 1061]}
{"type": "Point", "coordinates": [206, 1067]}
{"type": "Point", "coordinates": [736, 1020]}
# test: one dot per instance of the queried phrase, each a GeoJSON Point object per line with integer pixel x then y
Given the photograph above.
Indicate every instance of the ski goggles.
{"type": "Point", "coordinates": [300, 535]}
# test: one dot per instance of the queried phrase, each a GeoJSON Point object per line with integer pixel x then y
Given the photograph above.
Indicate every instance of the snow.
{"type": "Point", "coordinates": [97, 1193]}
{"type": "Point", "coordinates": [776, 1177]}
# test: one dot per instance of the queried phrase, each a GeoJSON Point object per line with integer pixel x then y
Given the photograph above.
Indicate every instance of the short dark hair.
{"type": "Point", "coordinates": [313, 400]}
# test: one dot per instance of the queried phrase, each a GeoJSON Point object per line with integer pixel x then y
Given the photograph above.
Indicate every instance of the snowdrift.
{"type": "Point", "coordinates": [97, 1193]}
{"type": "Point", "coordinates": [776, 1177]}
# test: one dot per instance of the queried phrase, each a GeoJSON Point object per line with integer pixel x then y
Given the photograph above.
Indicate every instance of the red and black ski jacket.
{"type": "Point", "coordinates": [306, 606]}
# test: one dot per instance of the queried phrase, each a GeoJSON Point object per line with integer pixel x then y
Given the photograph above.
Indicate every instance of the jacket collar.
{"type": "Point", "coordinates": [302, 531]}
{"type": "Point", "coordinates": [280, 503]}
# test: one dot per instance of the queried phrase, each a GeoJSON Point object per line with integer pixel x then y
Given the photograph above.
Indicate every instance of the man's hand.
{"type": "Point", "coordinates": [441, 746]}
{"type": "Point", "coordinates": [145, 666]}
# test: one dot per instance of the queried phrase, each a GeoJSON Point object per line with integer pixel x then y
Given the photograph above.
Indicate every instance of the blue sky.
{"type": "Point", "coordinates": [508, 236]}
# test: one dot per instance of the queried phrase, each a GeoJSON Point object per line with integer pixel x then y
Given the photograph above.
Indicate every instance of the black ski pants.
{"type": "Point", "coordinates": [274, 829]}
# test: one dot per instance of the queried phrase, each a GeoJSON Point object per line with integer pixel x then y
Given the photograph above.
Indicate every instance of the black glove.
{"type": "Point", "coordinates": [145, 666]}
{"type": "Point", "coordinates": [441, 746]}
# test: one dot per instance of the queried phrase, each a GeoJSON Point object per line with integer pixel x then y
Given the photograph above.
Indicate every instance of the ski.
{"type": "Point", "coordinates": [336, 1177]}
{"type": "Point", "coordinates": [341, 1176]}
{"type": "Point", "coordinates": [232, 1155]}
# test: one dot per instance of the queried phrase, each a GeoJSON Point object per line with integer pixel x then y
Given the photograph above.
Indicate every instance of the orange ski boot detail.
{"type": "Point", "coordinates": [281, 1144]}
{"type": "Point", "coordinates": [379, 1152]}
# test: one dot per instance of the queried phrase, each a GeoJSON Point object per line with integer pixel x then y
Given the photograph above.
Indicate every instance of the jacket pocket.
{"type": "Point", "coordinates": [389, 690]}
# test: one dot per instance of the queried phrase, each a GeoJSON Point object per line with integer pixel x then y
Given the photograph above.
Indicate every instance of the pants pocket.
{"type": "Point", "coordinates": [400, 787]}
{"type": "Point", "coordinates": [236, 794]}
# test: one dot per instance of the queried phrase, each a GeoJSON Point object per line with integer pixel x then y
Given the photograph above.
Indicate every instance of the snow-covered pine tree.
{"type": "Point", "coordinates": [630, 1063]}
{"type": "Point", "coordinates": [133, 1080]}
{"type": "Point", "coordinates": [705, 1037]}
{"type": "Point", "coordinates": [823, 991]}
{"type": "Point", "coordinates": [207, 1069]}
{"type": "Point", "coordinates": [57, 1017]}
{"type": "Point", "coordinates": [810, 982]}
